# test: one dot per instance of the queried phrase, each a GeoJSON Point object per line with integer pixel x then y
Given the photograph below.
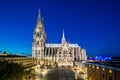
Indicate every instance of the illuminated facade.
{"type": "Point", "coordinates": [63, 53]}
{"type": "Point", "coordinates": [25, 61]}
{"type": "Point", "coordinates": [102, 72]}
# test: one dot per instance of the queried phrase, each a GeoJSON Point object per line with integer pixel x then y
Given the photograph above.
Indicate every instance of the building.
{"type": "Point", "coordinates": [98, 71]}
{"type": "Point", "coordinates": [24, 60]}
{"type": "Point", "coordinates": [65, 53]}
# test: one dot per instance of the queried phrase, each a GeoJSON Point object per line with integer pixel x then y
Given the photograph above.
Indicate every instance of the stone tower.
{"type": "Point", "coordinates": [39, 39]}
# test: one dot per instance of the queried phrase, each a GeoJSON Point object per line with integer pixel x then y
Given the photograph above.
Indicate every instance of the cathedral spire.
{"type": "Point", "coordinates": [63, 37]}
{"type": "Point", "coordinates": [39, 17]}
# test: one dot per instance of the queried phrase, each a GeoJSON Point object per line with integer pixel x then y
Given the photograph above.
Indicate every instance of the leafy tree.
{"type": "Point", "coordinates": [15, 71]}
{"type": "Point", "coordinates": [11, 71]}
{"type": "Point", "coordinates": [4, 53]}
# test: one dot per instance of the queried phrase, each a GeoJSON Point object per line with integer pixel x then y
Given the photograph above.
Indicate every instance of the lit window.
{"type": "Point", "coordinates": [90, 78]}
{"type": "Point", "coordinates": [103, 69]}
{"type": "Point", "coordinates": [97, 67]}
{"type": "Point", "coordinates": [93, 66]}
{"type": "Point", "coordinates": [89, 65]}
{"type": "Point", "coordinates": [110, 71]}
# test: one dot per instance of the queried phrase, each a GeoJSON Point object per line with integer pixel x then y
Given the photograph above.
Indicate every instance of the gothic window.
{"type": "Point", "coordinates": [37, 42]}
{"type": "Point", "coordinates": [70, 55]}
{"type": "Point", "coordinates": [41, 36]}
{"type": "Point", "coordinates": [50, 51]}
{"type": "Point", "coordinates": [75, 51]}
{"type": "Point", "coordinates": [38, 52]}
{"type": "Point", "coordinates": [42, 44]}
{"type": "Point", "coordinates": [47, 51]}
{"type": "Point", "coordinates": [53, 51]}
{"type": "Point", "coordinates": [59, 55]}
{"type": "Point", "coordinates": [64, 52]}
{"type": "Point", "coordinates": [38, 34]}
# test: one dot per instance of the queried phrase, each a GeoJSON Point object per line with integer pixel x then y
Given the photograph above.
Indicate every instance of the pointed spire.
{"type": "Point", "coordinates": [39, 16]}
{"type": "Point", "coordinates": [63, 37]}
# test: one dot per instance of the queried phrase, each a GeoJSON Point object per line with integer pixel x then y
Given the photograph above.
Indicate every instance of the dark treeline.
{"type": "Point", "coordinates": [15, 71]}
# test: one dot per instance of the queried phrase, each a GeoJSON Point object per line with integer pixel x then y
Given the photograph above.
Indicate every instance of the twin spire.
{"type": "Point", "coordinates": [39, 20]}
{"type": "Point", "coordinates": [39, 16]}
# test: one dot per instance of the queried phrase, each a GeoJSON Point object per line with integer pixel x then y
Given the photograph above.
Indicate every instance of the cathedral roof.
{"type": "Point", "coordinates": [59, 45]}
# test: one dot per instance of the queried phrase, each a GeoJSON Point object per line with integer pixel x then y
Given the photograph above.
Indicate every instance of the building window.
{"type": "Point", "coordinates": [110, 71]}
{"type": "Point", "coordinates": [37, 42]}
{"type": "Point", "coordinates": [110, 78]}
{"type": "Point", "coordinates": [64, 52]}
{"type": "Point", "coordinates": [93, 66]}
{"type": "Point", "coordinates": [37, 33]}
{"type": "Point", "coordinates": [89, 65]}
{"type": "Point", "coordinates": [41, 44]}
{"type": "Point", "coordinates": [103, 69]}
{"type": "Point", "coordinates": [97, 67]}
{"type": "Point", "coordinates": [103, 75]}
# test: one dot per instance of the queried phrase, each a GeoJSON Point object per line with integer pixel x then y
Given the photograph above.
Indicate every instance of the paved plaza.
{"type": "Point", "coordinates": [61, 73]}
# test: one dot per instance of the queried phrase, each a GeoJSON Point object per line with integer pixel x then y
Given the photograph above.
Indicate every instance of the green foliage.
{"type": "Point", "coordinates": [11, 71]}
{"type": "Point", "coordinates": [4, 52]}
{"type": "Point", "coordinates": [14, 71]}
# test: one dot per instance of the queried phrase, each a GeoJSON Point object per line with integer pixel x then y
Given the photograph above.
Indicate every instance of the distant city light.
{"type": "Point", "coordinates": [100, 58]}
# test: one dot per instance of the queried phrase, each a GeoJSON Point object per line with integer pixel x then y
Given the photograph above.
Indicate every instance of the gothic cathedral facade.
{"type": "Point", "coordinates": [64, 53]}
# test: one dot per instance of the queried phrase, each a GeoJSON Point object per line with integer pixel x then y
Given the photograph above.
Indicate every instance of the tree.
{"type": "Point", "coordinates": [15, 71]}
{"type": "Point", "coordinates": [10, 71]}
{"type": "Point", "coordinates": [5, 53]}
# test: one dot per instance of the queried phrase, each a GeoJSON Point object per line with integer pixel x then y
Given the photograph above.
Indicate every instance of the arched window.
{"type": "Point", "coordinates": [37, 42]}
{"type": "Point", "coordinates": [38, 34]}
{"type": "Point", "coordinates": [65, 52]}
{"type": "Point", "coordinates": [36, 53]}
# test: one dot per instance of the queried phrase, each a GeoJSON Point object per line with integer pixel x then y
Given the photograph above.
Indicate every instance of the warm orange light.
{"type": "Point", "coordinates": [90, 78]}
{"type": "Point", "coordinates": [93, 66]}
{"type": "Point", "coordinates": [89, 65]}
{"type": "Point", "coordinates": [110, 71]}
{"type": "Point", "coordinates": [103, 69]}
{"type": "Point", "coordinates": [97, 67]}
{"type": "Point", "coordinates": [4, 54]}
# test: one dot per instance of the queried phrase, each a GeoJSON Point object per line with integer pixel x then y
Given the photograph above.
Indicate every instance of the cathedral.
{"type": "Point", "coordinates": [64, 53]}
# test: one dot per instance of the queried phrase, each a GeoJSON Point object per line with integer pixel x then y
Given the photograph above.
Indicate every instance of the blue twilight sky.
{"type": "Point", "coordinates": [93, 24]}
